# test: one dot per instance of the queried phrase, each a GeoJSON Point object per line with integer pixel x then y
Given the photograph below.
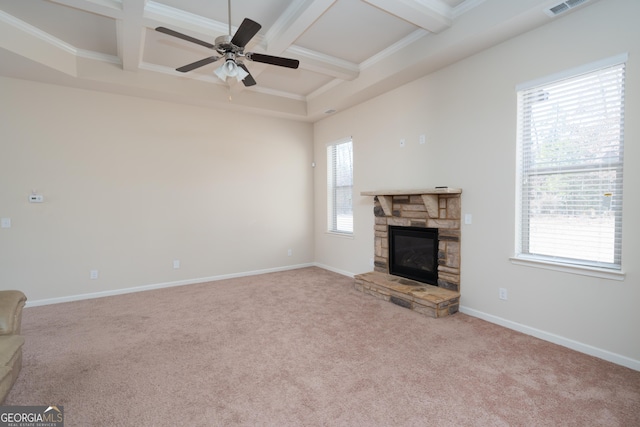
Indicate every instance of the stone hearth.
{"type": "Point", "coordinates": [433, 208]}
{"type": "Point", "coordinates": [429, 300]}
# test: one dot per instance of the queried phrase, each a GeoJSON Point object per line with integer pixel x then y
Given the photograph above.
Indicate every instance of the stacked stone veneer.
{"type": "Point", "coordinates": [434, 208]}
{"type": "Point", "coordinates": [439, 209]}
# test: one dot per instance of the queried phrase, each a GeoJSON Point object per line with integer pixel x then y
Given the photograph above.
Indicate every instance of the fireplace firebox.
{"type": "Point", "coordinates": [413, 253]}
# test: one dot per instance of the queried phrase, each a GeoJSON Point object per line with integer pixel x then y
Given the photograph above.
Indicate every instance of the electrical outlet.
{"type": "Point", "coordinates": [502, 294]}
{"type": "Point", "coordinates": [176, 264]}
{"type": "Point", "coordinates": [289, 252]}
{"type": "Point", "coordinates": [423, 139]}
{"type": "Point", "coordinates": [93, 274]}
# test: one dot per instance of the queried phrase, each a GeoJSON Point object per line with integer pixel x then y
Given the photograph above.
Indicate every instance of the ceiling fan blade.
{"type": "Point", "coordinates": [245, 32]}
{"type": "Point", "coordinates": [184, 37]}
{"type": "Point", "coordinates": [197, 64]}
{"type": "Point", "coordinates": [249, 80]}
{"type": "Point", "coordinates": [273, 60]}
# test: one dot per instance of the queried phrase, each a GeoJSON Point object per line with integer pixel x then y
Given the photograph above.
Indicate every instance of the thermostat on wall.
{"type": "Point", "coordinates": [36, 198]}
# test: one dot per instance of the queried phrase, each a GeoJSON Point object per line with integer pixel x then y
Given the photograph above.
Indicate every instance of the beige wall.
{"type": "Point", "coordinates": [468, 113]}
{"type": "Point", "coordinates": [132, 184]}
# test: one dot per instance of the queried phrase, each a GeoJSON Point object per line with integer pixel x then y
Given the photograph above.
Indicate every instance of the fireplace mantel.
{"type": "Point", "coordinates": [442, 190]}
{"type": "Point", "coordinates": [429, 198]}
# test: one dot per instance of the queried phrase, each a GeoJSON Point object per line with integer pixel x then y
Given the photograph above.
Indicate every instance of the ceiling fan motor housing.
{"type": "Point", "coordinates": [224, 45]}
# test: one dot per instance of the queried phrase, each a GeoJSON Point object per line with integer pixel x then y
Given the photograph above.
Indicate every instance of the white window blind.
{"type": "Point", "coordinates": [340, 186]}
{"type": "Point", "coordinates": [570, 152]}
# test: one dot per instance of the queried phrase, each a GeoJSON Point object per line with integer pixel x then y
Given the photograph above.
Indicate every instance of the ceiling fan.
{"type": "Point", "coordinates": [232, 50]}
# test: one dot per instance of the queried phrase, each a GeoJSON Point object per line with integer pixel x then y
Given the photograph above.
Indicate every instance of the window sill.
{"type": "Point", "coordinates": [602, 273]}
{"type": "Point", "coordinates": [342, 235]}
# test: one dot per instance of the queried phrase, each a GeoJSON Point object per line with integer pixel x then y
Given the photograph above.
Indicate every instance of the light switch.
{"type": "Point", "coordinates": [467, 218]}
{"type": "Point", "coordinates": [5, 223]}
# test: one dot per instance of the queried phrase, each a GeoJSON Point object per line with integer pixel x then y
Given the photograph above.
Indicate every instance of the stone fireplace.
{"type": "Point", "coordinates": [437, 208]}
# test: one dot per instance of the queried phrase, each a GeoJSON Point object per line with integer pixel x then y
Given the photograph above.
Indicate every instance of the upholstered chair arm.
{"type": "Point", "coordinates": [11, 304]}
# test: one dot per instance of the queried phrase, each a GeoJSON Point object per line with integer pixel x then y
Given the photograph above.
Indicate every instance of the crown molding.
{"type": "Point", "coordinates": [37, 33]}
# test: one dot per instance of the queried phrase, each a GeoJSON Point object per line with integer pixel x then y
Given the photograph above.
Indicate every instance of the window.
{"type": "Point", "coordinates": [340, 186]}
{"type": "Point", "coordinates": [570, 155]}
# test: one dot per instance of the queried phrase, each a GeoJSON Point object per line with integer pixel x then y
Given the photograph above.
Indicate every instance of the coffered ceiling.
{"type": "Point", "coordinates": [349, 50]}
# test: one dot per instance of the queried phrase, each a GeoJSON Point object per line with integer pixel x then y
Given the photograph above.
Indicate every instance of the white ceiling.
{"type": "Point", "coordinates": [349, 50]}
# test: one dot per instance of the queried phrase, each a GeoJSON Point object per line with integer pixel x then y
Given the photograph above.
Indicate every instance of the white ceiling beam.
{"type": "Point", "coordinates": [432, 15]}
{"type": "Point", "coordinates": [108, 8]}
{"type": "Point", "coordinates": [324, 64]}
{"type": "Point", "coordinates": [30, 42]}
{"type": "Point", "coordinates": [131, 35]}
{"type": "Point", "coordinates": [295, 20]}
{"type": "Point", "coordinates": [158, 14]}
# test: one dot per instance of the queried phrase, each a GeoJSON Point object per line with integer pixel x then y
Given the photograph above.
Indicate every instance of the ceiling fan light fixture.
{"type": "Point", "coordinates": [230, 69]}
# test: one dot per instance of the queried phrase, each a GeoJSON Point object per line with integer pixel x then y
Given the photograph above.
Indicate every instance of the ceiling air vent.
{"type": "Point", "coordinates": [563, 7]}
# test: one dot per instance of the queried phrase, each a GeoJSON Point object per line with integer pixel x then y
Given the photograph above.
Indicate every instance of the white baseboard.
{"type": "Point", "coordinates": [160, 285]}
{"type": "Point", "coordinates": [556, 339]}
{"type": "Point", "coordinates": [335, 270]}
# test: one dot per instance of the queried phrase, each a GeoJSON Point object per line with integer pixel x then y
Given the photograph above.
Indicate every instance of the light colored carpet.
{"type": "Point", "coordinates": [303, 347]}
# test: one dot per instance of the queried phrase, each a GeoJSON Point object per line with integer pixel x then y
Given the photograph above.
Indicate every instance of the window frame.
{"type": "Point", "coordinates": [333, 222]}
{"type": "Point", "coordinates": [522, 256]}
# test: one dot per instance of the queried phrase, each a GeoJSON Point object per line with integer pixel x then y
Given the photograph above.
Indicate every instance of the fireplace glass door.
{"type": "Point", "coordinates": [413, 253]}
